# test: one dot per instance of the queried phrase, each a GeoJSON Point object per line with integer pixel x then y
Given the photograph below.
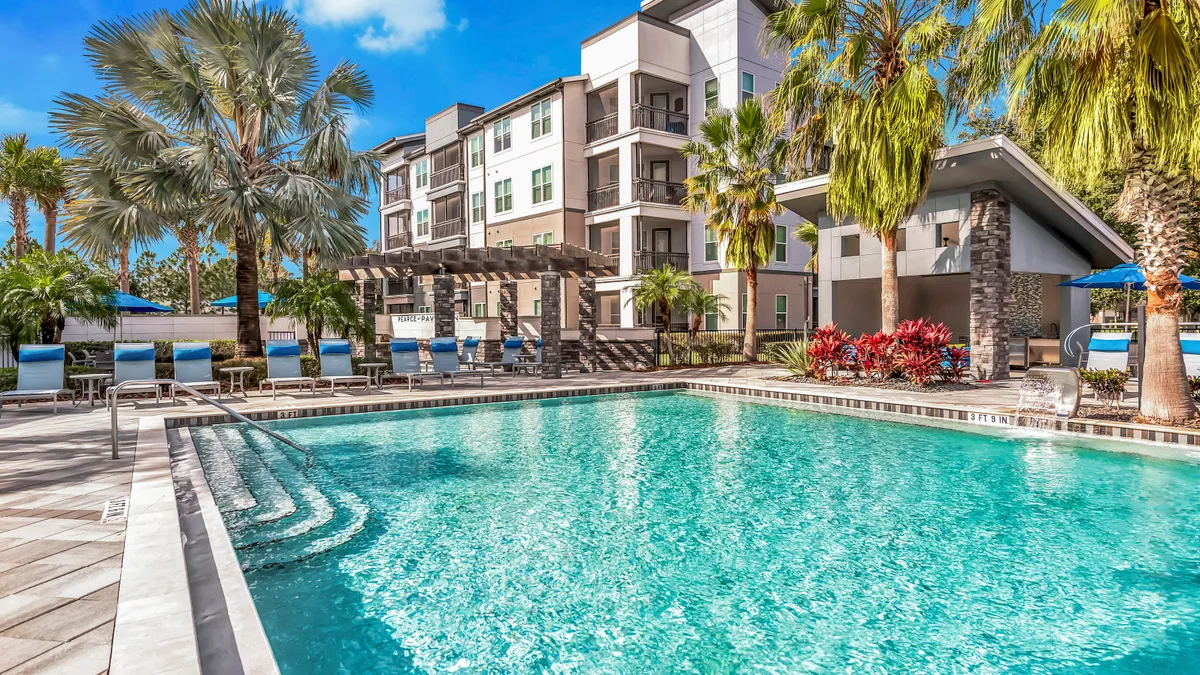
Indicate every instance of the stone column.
{"type": "Point", "coordinates": [367, 308]}
{"type": "Point", "coordinates": [991, 284]}
{"type": "Point", "coordinates": [551, 325]}
{"type": "Point", "coordinates": [508, 308]}
{"type": "Point", "coordinates": [443, 305]}
{"type": "Point", "coordinates": [587, 323]}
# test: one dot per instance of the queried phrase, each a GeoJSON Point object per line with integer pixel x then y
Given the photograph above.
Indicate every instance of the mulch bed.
{"type": "Point", "coordinates": [892, 384]}
{"type": "Point", "coordinates": [1126, 415]}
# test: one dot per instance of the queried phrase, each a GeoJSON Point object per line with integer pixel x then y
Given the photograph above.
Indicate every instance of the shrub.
{"type": "Point", "coordinates": [793, 356]}
{"type": "Point", "coordinates": [956, 364]}
{"type": "Point", "coordinates": [876, 355]}
{"type": "Point", "coordinates": [827, 350]}
{"type": "Point", "coordinates": [1194, 386]}
{"type": "Point", "coordinates": [1108, 384]}
{"type": "Point", "coordinates": [163, 349]}
{"type": "Point", "coordinates": [919, 349]}
{"type": "Point", "coordinates": [719, 351]}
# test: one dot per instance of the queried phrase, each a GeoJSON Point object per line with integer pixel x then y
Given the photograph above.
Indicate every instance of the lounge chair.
{"type": "Point", "coordinates": [512, 349]}
{"type": "Point", "coordinates": [336, 367]}
{"type": "Point", "coordinates": [84, 361]}
{"type": "Point", "coordinates": [445, 360]}
{"type": "Point", "coordinates": [406, 362]}
{"type": "Point", "coordinates": [283, 367]}
{"type": "Point", "coordinates": [470, 350]}
{"type": "Point", "coordinates": [193, 367]}
{"type": "Point", "coordinates": [532, 367]}
{"type": "Point", "coordinates": [40, 370]}
{"type": "Point", "coordinates": [1108, 351]}
{"type": "Point", "coordinates": [1191, 353]}
{"type": "Point", "coordinates": [132, 362]}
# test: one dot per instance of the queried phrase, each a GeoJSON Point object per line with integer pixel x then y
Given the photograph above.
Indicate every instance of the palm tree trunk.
{"type": "Point", "coordinates": [889, 293]}
{"type": "Point", "coordinates": [1156, 199]}
{"type": "Point", "coordinates": [664, 311]}
{"type": "Point", "coordinates": [750, 343]}
{"type": "Point", "coordinates": [189, 242]}
{"type": "Point", "coordinates": [47, 330]}
{"type": "Point", "coordinates": [51, 213]}
{"type": "Point", "coordinates": [123, 261]}
{"type": "Point", "coordinates": [20, 222]}
{"type": "Point", "coordinates": [249, 330]}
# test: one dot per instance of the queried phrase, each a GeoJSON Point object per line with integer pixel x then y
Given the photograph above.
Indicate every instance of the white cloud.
{"type": "Point", "coordinates": [354, 123]}
{"type": "Point", "coordinates": [15, 119]}
{"type": "Point", "coordinates": [391, 25]}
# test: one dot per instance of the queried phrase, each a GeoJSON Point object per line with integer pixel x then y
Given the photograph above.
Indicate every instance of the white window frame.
{"type": "Point", "coordinates": [747, 94]}
{"type": "Point", "coordinates": [781, 241]}
{"type": "Point", "coordinates": [543, 184]}
{"type": "Point", "coordinates": [421, 169]}
{"type": "Point", "coordinates": [425, 309]}
{"type": "Point", "coordinates": [713, 102]}
{"type": "Point", "coordinates": [479, 309]}
{"type": "Point", "coordinates": [778, 325]}
{"type": "Point", "coordinates": [502, 135]}
{"type": "Point", "coordinates": [476, 151]}
{"type": "Point", "coordinates": [544, 238]}
{"type": "Point", "coordinates": [422, 223]}
{"type": "Point", "coordinates": [504, 243]}
{"type": "Point", "coordinates": [478, 206]}
{"type": "Point", "coordinates": [712, 321]}
{"type": "Point", "coordinates": [716, 252]}
{"type": "Point", "coordinates": [503, 201]}
{"type": "Point", "coordinates": [541, 120]}
{"type": "Point", "coordinates": [537, 306]}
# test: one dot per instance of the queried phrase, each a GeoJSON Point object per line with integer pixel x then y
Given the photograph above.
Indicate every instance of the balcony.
{"type": "Point", "coordinates": [397, 287]}
{"type": "Point", "coordinates": [659, 119]}
{"type": "Point", "coordinates": [456, 227]}
{"type": "Point", "coordinates": [445, 176]}
{"type": "Point", "coordinates": [648, 260]}
{"type": "Point", "coordinates": [658, 191]}
{"type": "Point", "coordinates": [402, 240]}
{"type": "Point", "coordinates": [396, 194]}
{"type": "Point", "coordinates": [604, 198]}
{"type": "Point", "coordinates": [602, 128]}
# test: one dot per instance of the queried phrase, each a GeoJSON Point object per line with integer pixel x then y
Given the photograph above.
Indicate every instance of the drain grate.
{"type": "Point", "coordinates": [116, 510]}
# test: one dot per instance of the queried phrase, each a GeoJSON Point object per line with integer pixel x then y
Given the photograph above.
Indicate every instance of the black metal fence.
{"type": "Point", "coordinates": [716, 347]}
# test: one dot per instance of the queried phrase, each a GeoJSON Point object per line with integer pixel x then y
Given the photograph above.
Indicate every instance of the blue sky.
{"type": "Point", "coordinates": [421, 55]}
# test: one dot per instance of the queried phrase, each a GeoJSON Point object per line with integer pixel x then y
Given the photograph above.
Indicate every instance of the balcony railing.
{"type": "Point", "coordinates": [648, 260]}
{"type": "Point", "coordinates": [658, 191]}
{"type": "Point", "coordinates": [445, 176]}
{"type": "Point", "coordinates": [602, 128]}
{"type": "Point", "coordinates": [402, 240]}
{"type": "Point", "coordinates": [450, 228]}
{"type": "Point", "coordinates": [398, 287]}
{"type": "Point", "coordinates": [605, 197]}
{"type": "Point", "coordinates": [396, 194]}
{"type": "Point", "coordinates": [663, 120]}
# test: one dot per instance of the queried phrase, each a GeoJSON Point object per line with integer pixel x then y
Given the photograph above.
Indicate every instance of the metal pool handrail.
{"type": "Point", "coordinates": [221, 406]}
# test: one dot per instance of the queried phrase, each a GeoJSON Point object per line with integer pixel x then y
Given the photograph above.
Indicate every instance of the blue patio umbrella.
{"type": "Point", "coordinates": [135, 305]}
{"type": "Point", "coordinates": [263, 298]}
{"type": "Point", "coordinates": [1128, 276]}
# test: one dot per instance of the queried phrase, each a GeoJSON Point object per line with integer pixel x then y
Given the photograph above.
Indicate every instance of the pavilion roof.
{"type": "Point", "coordinates": [481, 264]}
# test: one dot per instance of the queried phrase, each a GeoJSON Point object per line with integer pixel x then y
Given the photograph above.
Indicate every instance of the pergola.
{"type": "Point", "coordinates": [547, 263]}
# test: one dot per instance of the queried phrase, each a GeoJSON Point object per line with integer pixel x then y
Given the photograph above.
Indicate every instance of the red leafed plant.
{"type": "Point", "coordinates": [956, 364]}
{"type": "Point", "coordinates": [827, 348]}
{"type": "Point", "coordinates": [919, 346]}
{"type": "Point", "coordinates": [876, 354]}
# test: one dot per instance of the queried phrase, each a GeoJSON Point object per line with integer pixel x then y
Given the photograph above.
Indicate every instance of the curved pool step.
{"type": "Point", "coordinates": [312, 506]}
{"type": "Point", "coordinates": [228, 488]}
{"type": "Point", "coordinates": [272, 501]}
{"type": "Point", "coordinates": [350, 519]}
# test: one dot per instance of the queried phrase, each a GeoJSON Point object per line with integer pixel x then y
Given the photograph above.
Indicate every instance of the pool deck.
{"type": "Point", "coordinates": [70, 584]}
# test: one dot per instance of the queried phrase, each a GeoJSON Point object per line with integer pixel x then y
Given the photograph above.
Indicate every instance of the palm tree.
{"type": "Point", "coordinates": [862, 79]}
{"type": "Point", "coordinates": [318, 301]}
{"type": "Point", "coordinates": [810, 235]}
{"type": "Point", "coordinates": [191, 235]}
{"type": "Point", "coordinates": [1116, 86]}
{"type": "Point", "coordinates": [217, 110]}
{"type": "Point", "coordinates": [698, 302]}
{"type": "Point", "coordinates": [18, 179]}
{"type": "Point", "coordinates": [42, 289]}
{"type": "Point", "coordinates": [739, 155]}
{"type": "Point", "coordinates": [50, 188]}
{"type": "Point", "coordinates": [660, 288]}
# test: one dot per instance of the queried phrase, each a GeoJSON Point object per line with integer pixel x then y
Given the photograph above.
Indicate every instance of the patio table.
{"type": "Point", "coordinates": [374, 372]}
{"type": "Point", "coordinates": [92, 379]}
{"type": "Point", "coordinates": [240, 372]}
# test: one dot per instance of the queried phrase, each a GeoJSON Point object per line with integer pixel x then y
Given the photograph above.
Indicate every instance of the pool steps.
{"type": "Point", "coordinates": [228, 488]}
{"type": "Point", "coordinates": [312, 507]}
{"type": "Point", "coordinates": [272, 501]}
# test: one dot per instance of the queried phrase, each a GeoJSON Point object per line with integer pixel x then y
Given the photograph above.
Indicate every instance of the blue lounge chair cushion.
{"type": "Point", "coordinates": [133, 353]}
{"type": "Point", "coordinates": [399, 346]}
{"type": "Point", "coordinates": [471, 342]}
{"type": "Point", "coordinates": [1190, 346]}
{"type": "Point", "coordinates": [514, 343]}
{"type": "Point", "coordinates": [334, 347]}
{"type": "Point", "coordinates": [286, 349]}
{"type": "Point", "coordinates": [1100, 344]}
{"type": "Point", "coordinates": [442, 345]}
{"type": "Point", "coordinates": [539, 342]}
{"type": "Point", "coordinates": [192, 352]}
{"type": "Point", "coordinates": [35, 353]}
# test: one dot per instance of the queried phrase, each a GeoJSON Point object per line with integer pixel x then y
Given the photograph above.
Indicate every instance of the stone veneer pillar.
{"type": "Point", "coordinates": [508, 309]}
{"type": "Point", "coordinates": [365, 299]}
{"type": "Point", "coordinates": [443, 305]}
{"type": "Point", "coordinates": [552, 363]}
{"type": "Point", "coordinates": [991, 284]}
{"type": "Point", "coordinates": [587, 323]}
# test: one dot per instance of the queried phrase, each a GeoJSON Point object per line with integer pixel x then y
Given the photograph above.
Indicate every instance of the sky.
{"type": "Point", "coordinates": [421, 55]}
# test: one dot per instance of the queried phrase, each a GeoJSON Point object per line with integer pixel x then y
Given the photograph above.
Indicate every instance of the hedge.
{"type": "Point", "coordinates": [164, 350]}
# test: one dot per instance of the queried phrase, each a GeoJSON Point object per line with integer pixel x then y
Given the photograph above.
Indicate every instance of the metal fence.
{"type": "Point", "coordinates": [716, 347]}
{"type": "Point", "coordinates": [281, 335]}
{"type": "Point", "coordinates": [6, 358]}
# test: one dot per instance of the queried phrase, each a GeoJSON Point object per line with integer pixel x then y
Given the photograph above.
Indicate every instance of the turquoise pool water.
{"type": "Point", "coordinates": [675, 533]}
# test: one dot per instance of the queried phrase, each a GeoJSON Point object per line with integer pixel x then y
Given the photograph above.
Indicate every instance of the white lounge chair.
{"type": "Point", "coordinates": [283, 367]}
{"type": "Point", "coordinates": [470, 350]}
{"type": "Point", "coordinates": [512, 350]}
{"type": "Point", "coordinates": [40, 370]}
{"type": "Point", "coordinates": [131, 362]}
{"type": "Point", "coordinates": [336, 367]}
{"type": "Point", "coordinates": [193, 367]}
{"type": "Point", "coordinates": [1108, 351]}
{"type": "Point", "coordinates": [532, 367]}
{"type": "Point", "coordinates": [406, 362]}
{"type": "Point", "coordinates": [445, 360]}
{"type": "Point", "coordinates": [1191, 353]}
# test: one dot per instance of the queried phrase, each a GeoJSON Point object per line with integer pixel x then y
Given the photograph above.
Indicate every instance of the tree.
{"type": "Point", "coordinates": [40, 290]}
{"type": "Point", "coordinates": [698, 302]}
{"type": "Point", "coordinates": [660, 288]}
{"type": "Point", "coordinates": [217, 111]}
{"type": "Point", "coordinates": [1116, 86]}
{"type": "Point", "coordinates": [318, 301]}
{"type": "Point", "coordinates": [862, 78]}
{"type": "Point", "coordinates": [49, 189]}
{"type": "Point", "coordinates": [738, 156]}
{"type": "Point", "coordinates": [810, 235]}
{"type": "Point", "coordinates": [21, 173]}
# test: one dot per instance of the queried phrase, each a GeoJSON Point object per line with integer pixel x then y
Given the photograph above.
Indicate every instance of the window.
{"type": "Point", "coordinates": [710, 321]}
{"type": "Point", "coordinates": [504, 195]}
{"type": "Point", "coordinates": [849, 245]}
{"type": "Point", "coordinates": [614, 243]}
{"type": "Point", "coordinates": [743, 324]}
{"type": "Point", "coordinates": [901, 239]}
{"type": "Point", "coordinates": [425, 309]}
{"type": "Point", "coordinates": [422, 169]}
{"type": "Point", "coordinates": [781, 312]}
{"type": "Point", "coordinates": [747, 87]}
{"type": "Point", "coordinates": [710, 244]}
{"type": "Point", "coordinates": [393, 309]}
{"type": "Point", "coordinates": [477, 207]}
{"type": "Point", "coordinates": [710, 96]}
{"type": "Point", "coordinates": [781, 243]}
{"type": "Point", "coordinates": [544, 238]}
{"type": "Point", "coordinates": [476, 151]}
{"type": "Point", "coordinates": [502, 135]}
{"type": "Point", "coordinates": [537, 307]}
{"type": "Point", "coordinates": [423, 223]}
{"type": "Point", "coordinates": [948, 234]}
{"type": "Point", "coordinates": [504, 243]}
{"type": "Point", "coordinates": [541, 118]}
{"type": "Point", "coordinates": [543, 190]}
{"type": "Point", "coordinates": [479, 309]}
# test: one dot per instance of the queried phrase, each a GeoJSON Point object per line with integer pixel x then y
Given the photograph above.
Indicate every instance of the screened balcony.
{"type": "Point", "coordinates": [602, 114]}
{"type": "Point", "coordinates": [660, 105]}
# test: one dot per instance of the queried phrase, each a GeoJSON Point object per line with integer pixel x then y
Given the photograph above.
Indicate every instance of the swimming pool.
{"type": "Point", "coordinates": [662, 533]}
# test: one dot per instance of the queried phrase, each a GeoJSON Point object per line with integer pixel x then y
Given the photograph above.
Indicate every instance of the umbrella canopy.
{"type": "Point", "coordinates": [133, 304]}
{"type": "Point", "coordinates": [263, 298]}
{"type": "Point", "coordinates": [1128, 276]}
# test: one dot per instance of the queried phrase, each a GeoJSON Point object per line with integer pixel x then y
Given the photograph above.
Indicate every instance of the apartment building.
{"type": "Point", "coordinates": [594, 160]}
